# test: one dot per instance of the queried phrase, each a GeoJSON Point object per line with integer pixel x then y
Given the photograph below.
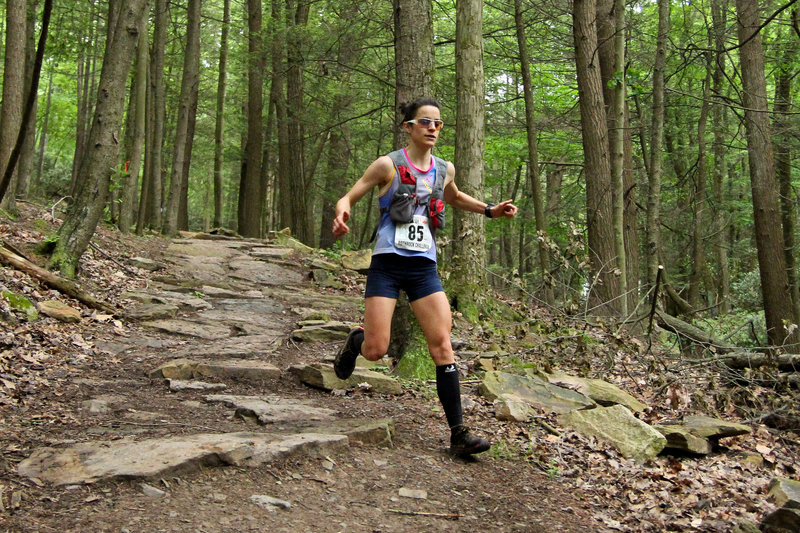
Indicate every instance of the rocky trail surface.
{"type": "Point", "coordinates": [212, 407]}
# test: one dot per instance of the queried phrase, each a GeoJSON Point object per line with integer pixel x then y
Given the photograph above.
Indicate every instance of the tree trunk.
{"type": "Point", "coordinates": [95, 170]}
{"type": "Point", "coordinates": [718, 125]}
{"type": "Point", "coordinates": [151, 200]}
{"type": "Point", "coordinates": [139, 100]}
{"type": "Point", "coordinates": [766, 213]}
{"type": "Point", "coordinates": [413, 48]}
{"type": "Point", "coordinates": [699, 203]}
{"type": "Point", "coordinates": [250, 188]}
{"type": "Point", "coordinates": [44, 129]}
{"type": "Point", "coordinates": [604, 284]}
{"type": "Point", "coordinates": [533, 152]}
{"type": "Point", "coordinates": [278, 96]}
{"type": "Point", "coordinates": [83, 91]}
{"type": "Point", "coordinates": [191, 68]}
{"type": "Point", "coordinates": [783, 167]}
{"type": "Point", "coordinates": [219, 126]}
{"type": "Point", "coordinates": [468, 272]}
{"type": "Point", "coordinates": [301, 199]}
{"type": "Point", "coordinates": [13, 92]}
{"type": "Point", "coordinates": [653, 224]}
{"type": "Point", "coordinates": [414, 76]}
{"type": "Point", "coordinates": [27, 155]}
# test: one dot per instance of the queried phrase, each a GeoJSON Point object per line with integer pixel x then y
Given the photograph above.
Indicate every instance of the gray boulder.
{"type": "Point", "coordinates": [615, 425]}
{"type": "Point", "coordinates": [533, 391]}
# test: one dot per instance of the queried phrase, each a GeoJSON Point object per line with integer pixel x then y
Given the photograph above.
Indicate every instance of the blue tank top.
{"type": "Point", "coordinates": [425, 180]}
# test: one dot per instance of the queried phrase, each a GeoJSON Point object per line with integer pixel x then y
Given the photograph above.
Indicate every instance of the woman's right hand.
{"type": "Point", "coordinates": [340, 224]}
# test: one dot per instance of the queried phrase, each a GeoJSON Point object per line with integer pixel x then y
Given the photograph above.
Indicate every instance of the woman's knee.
{"type": "Point", "coordinates": [374, 349]}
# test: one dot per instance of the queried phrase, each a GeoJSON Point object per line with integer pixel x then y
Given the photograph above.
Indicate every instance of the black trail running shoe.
{"type": "Point", "coordinates": [463, 443]}
{"type": "Point", "coordinates": [345, 361]}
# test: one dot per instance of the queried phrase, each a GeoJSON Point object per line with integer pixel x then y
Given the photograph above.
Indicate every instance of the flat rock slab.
{"type": "Point", "coordinates": [270, 410]}
{"type": "Point", "coordinates": [310, 299]}
{"type": "Point", "coordinates": [242, 347]}
{"type": "Point", "coordinates": [532, 390]}
{"type": "Point", "coordinates": [261, 273]}
{"type": "Point", "coordinates": [152, 311]}
{"type": "Point", "coordinates": [178, 385]}
{"type": "Point", "coordinates": [680, 439]}
{"type": "Point", "coordinates": [713, 428]}
{"type": "Point", "coordinates": [268, 253]}
{"type": "Point", "coordinates": [617, 426]}
{"type": "Point", "coordinates": [602, 392]}
{"type": "Point", "coordinates": [205, 248]}
{"type": "Point", "coordinates": [189, 328]}
{"type": "Point", "coordinates": [94, 461]}
{"type": "Point", "coordinates": [322, 332]}
{"type": "Point", "coordinates": [378, 432]}
{"type": "Point", "coordinates": [323, 377]}
{"type": "Point", "coordinates": [237, 369]}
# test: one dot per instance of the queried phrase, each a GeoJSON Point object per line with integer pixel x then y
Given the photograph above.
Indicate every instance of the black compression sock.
{"type": "Point", "coordinates": [449, 392]}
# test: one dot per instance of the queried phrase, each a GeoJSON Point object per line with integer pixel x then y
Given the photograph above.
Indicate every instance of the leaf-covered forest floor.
{"type": "Point", "coordinates": [537, 477]}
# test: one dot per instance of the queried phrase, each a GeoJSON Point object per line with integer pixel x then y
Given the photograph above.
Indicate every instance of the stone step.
{"type": "Point", "coordinates": [90, 462]}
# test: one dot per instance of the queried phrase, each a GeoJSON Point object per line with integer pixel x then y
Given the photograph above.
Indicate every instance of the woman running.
{"type": "Point", "coordinates": [413, 186]}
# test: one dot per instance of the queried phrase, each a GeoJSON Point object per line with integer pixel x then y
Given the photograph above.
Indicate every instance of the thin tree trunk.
{"type": "Point", "coordinates": [301, 198]}
{"type": "Point", "coordinates": [783, 167]}
{"type": "Point", "coordinates": [191, 67]}
{"type": "Point", "coordinates": [150, 214]}
{"type": "Point", "coordinates": [278, 90]}
{"type": "Point", "coordinates": [13, 93]}
{"type": "Point", "coordinates": [653, 224]}
{"type": "Point", "coordinates": [131, 183]}
{"type": "Point", "coordinates": [44, 129]}
{"type": "Point", "coordinates": [250, 195]}
{"type": "Point", "coordinates": [766, 213]}
{"type": "Point", "coordinates": [84, 213]}
{"type": "Point", "coordinates": [219, 126]}
{"type": "Point", "coordinates": [27, 155]}
{"type": "Point", "coordinates": [699, 203]}
{"type": "Point", "coordinates": [718, 125]}
{"type": "Point", "coordinates": [533, 152]}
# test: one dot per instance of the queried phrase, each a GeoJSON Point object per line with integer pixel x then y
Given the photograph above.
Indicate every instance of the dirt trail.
{"type": "Point", "coordinates": [232, 306]}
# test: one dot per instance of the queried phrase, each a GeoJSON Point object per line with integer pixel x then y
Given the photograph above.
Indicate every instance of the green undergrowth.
{"type": "Point", "coordinates": [416, 363]}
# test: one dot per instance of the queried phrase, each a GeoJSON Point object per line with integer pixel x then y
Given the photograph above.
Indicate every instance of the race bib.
{"type": "Point", "coordinates": [414, 236]}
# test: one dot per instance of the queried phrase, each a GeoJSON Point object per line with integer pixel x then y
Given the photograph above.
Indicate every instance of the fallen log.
{"type": "Point", "coordinates": [693, 333]}
{"type": "Point", "coordinates": [730, 355]}
{"type": "Point", "coordinates": [53, 280]}
{"type": "Point", "coordinates": [788, 362]}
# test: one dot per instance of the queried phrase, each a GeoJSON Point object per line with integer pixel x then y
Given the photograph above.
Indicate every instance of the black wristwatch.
{"type": "Point", "coordinates": [487, 210]}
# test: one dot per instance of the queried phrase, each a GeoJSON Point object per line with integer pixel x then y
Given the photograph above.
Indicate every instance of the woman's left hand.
{"type": "Point", "coordinates": [504, 209]}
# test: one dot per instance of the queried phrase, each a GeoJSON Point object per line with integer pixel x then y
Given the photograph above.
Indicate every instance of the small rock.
{"type": "Point", "coordinates": [152, 491]}
{"type": "Point", "coordinates": [417, 494]}
{"type": "Point", "coordinates": [785, 492]}
{"type": "Point", "coordinates": [177, 385]}
{"type": "Point", "coordinates": [59, 311]}
{"type": "Point", "coordinates": [380, 462]}
{"type": "Point", "coordinates": [269, 503]}
{"type": "Point", "coordinates": [146, 264]}
{"type": "Point", "coordinates": [327, 465]}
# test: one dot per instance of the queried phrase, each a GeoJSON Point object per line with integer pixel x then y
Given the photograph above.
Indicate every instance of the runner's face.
{"type": "Point", "coordinates": [425, 136]}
